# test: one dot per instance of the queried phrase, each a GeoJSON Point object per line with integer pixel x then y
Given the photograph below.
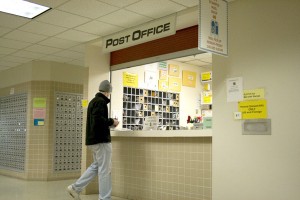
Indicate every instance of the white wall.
{"type": "Point", "coordinates": [264, 48]}
{"type": "Point", "coordinates": [187, 104]}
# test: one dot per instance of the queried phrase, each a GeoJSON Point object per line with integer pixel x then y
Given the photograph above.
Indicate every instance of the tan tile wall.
{"type": "Point", "coordinates": [162, 168]}
{"type": "Point", "coordinates": [40, 139]}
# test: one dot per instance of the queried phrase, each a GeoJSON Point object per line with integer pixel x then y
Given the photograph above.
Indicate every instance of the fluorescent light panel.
{"type": "Point", "coordinates": [22, 8]}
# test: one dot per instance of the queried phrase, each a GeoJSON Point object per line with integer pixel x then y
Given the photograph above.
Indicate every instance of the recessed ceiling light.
{"type": "Point", "coordinates": [22, 8]}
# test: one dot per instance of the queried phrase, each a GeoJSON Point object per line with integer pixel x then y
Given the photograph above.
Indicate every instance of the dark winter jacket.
{"type": "Point", "coordinates": [97, 124]}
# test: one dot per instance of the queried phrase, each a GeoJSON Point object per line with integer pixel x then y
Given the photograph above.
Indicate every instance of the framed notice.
{"type": "Point", "coordinates": [174, 84]}
{"type": "Point", "coordinates": [163, 85]}
{"type": "Point", "coordinates": [188, 78]}
{"type": "Point", "coordinates": [173, 70]}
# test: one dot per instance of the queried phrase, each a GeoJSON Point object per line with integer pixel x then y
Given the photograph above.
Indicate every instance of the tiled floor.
{"type": "Point", "coordinates": [16, 189]}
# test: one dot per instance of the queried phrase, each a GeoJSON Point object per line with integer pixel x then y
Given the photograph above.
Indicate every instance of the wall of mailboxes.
{"type": "Point", "coordinates": [67, 134]}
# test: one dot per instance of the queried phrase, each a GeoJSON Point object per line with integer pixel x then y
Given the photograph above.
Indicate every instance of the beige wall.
{"type": "Point", "coordinates": [43, 70]}
{"type": "Point", "coordinates": [264, 49]}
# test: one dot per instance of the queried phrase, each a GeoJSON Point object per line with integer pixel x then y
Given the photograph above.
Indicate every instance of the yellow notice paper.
{"type": "Point", "coordinates": [254, 94]}
{"type": "Point", "coordinates": [206, 76]}
{"type": "Point", "coordinates": [188, 78]}
{"type": "Point", "coordinates": [173, 70]}
{"type": "Point", "coordinates": [84, 103]}
{"type": "Point", "coordinates": [130, 80]}
{"type": "Point", "coordinates": [163, 85]}
{"type": "Point", "coordinates": [256, 109]}
{"type": "Point", "coordinates": [39, 102]}
{"type": "Point", "coordinates": [174, 84]}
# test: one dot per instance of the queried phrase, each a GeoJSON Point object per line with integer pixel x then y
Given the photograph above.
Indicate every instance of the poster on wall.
{"type": "Point", "coordinates": [213, 26]}
{"type": "Point", "coordinates": [254, 94]}
{"type": "Point", "coordinates": [234, 89]}
{"type": "Point", "coordinates": [255, 109]}
{"type": "Point", "coordinates": [188, 78]}
{"type": "Point", "coordinates": [174, 84]}
{"type": "Point", "coordinates": [151, 80]}
{"type": "Point", "coordinates": [206, 97]}
{"type": "Point", "coordinates": [206, 76]}
{"type": "Point", "coordinates": [163, 75]}
{"type": "Point", "coordinates": [39, 111]}
{"type": "Point", "coordinates": [163, 85]}
{"type": "Point", "coordinates": [173, 70]}
{"type": "Point", "coordinates": [130, 80]}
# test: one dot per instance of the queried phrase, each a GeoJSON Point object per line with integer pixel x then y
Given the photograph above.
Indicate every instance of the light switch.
{"type": "Point", "coordinates": [237, 115]}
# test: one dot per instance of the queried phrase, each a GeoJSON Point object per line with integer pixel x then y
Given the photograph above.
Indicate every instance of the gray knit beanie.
{"type": "Point", "coordinates": [105, 86]}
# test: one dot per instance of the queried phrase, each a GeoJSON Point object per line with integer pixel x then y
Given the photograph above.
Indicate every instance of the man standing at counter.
{"type": "Point", "coordinates": [98, 139]}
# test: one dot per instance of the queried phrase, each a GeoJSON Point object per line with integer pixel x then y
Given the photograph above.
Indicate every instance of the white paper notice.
{"type": "Point", "coordinates": [234, 89]}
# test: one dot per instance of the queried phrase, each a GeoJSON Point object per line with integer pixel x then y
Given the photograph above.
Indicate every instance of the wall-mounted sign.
{"type": "Point", "coordinates": [234, 89]}
{"type": "Point", "coordinates": [174, 84]}
{"type": "Point", "coordinates": [150, 31]}
{"type": "Point", "coordinates": [213, 26]}
{"type": "Point", "coordinates": [254, 94]}
{"type": "Point", "coordinates": [174, 70]}
{"type": "Point", "coordinates": [206, 76]}
{"type": "Point", "coordinates": [130, 80]}
{"type": "Point", "coordinates": [253, 109]}
{"type": "Point", "coordinates": [189, 78]}
{"type": "Point", "coordinates": [39, 102]}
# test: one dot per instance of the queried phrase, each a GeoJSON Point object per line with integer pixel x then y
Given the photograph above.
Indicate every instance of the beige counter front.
{"type": "Point", "coordinates": [162, 164]}
{"type": "Point", "coordinates": [159, 133]}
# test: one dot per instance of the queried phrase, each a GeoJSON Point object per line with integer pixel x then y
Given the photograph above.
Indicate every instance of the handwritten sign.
{"type": "Point", "coordinates": [130, 80]}
{"type": "Point", "coordinates": [253, 109]}
{"type": "Point", "coordinates": [254, 94]}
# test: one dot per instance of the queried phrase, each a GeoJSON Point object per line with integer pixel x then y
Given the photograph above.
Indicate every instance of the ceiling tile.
{"type": "Point", "coordinates": [13, 44]}
{"type": "Point", "coordinates": [90, 9]}
{"type": "Point", "coordinates": [42, 28]}
{"type": "Point", "coordinates": [12, 21]}
{"type": "Point", "coordinates": [56, 58]}
{"type": "Point", "coordinates": [51, 4]}
{"type": "Point", "coordinates": [206, 57]}
{"type": "Point", "coordinates": [28, 54]}
{"type": "Point", "coordinates": [188, 3]}
{"type": "Point", "coordinates": [77, 36]}
{"type": "Point", "coordinates": [99, 28]}
{"type": "Point", "coordinates": [6, 51]}
{"type": "Point", "coordinates": [77, 62]}
{"type": "Point", "coordinates": [59, 43]}
{"type": "Point", "coordinates": [61, 18]}
{"type": "Point", "coordinates": [155, 8]}
{"type": "Point", "coordinates": [69, 54]}
{"type": "Point", "coordinates": [4, 30]}
{"type": "Point", "coordinates": [185, 59]}
{"type": "Point", "coordinates": [79, 48]}
{"type": "Point", "coordinates": [8, 64]}
{"type": "Point", "coordinates": [42, 49]}
{"type": "Point", "coordinates": [124, 18]}
{"type": "Point", "coordinates": [197, 63]}
{"type": "Point", "coordinates": [15, 59]}
{"type": "Point", "coordinates": [24, 36]}
{"type": "Point", "coordinates": [119, 3]}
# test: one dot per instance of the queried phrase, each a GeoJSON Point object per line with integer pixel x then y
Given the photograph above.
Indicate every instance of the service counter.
{"type": "Point", "coordinates": [160, 133]}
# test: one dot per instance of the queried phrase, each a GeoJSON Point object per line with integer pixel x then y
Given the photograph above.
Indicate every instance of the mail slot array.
{"type": "Point", "coordinates": [13, 114]}
{"type": "Point", "coordinates": [140, 103]}
{"type": "Point", "coordinates": [68, 132]}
